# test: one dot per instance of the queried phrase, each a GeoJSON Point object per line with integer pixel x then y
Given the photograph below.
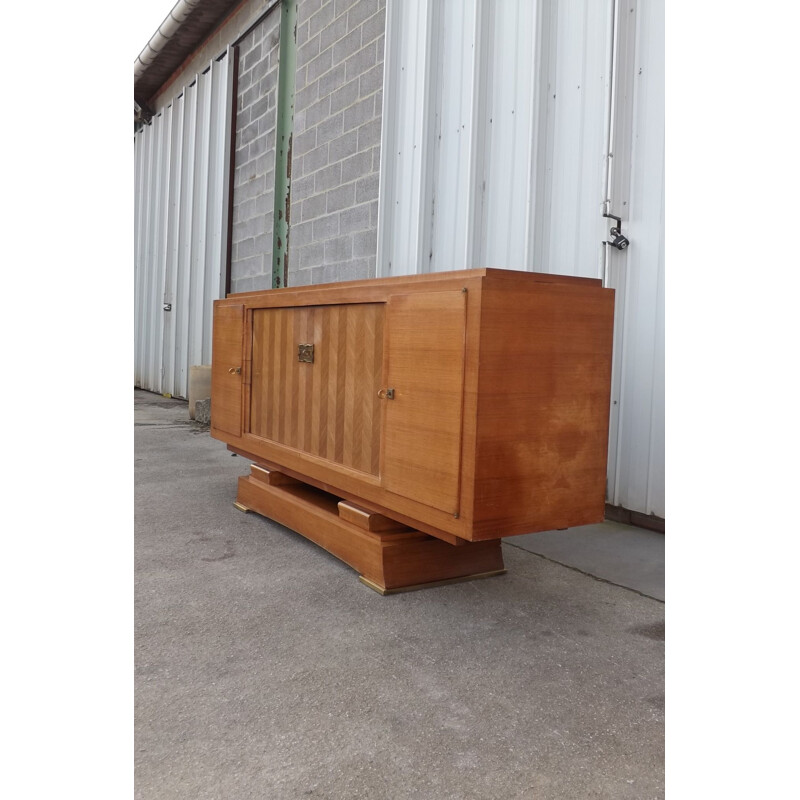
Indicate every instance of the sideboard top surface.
{"type": "Point", "coordinates": [505, 277]}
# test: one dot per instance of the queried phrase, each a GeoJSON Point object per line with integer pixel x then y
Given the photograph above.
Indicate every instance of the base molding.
{"type": "Point", "coordinates": [627, 517]}
{"type": "Point", "coordinates": [388, 556]}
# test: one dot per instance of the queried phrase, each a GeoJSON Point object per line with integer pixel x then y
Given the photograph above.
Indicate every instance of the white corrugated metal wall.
{"type": "Point", "coordinates": [637, 447]}
{"type": "Point", "coordinates": [500, 118]}
{"type": "Point", "coordinates": [181, 178]}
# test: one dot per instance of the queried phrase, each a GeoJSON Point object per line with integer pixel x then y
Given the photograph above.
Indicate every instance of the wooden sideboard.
{"type": "Point", "coordinates": [408, 424]}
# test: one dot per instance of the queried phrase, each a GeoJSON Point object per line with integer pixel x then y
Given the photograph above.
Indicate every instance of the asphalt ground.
{"type": "Point", "coordinates": [265, 669]}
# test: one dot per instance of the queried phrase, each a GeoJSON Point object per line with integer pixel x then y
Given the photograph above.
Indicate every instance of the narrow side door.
{"type": "Point", "coordinates": [227, 371]}
{"type": "Point", "coordinates": [424, 397]}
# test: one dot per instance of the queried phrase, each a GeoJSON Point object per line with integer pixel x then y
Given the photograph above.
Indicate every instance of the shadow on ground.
{"type": "Point", "coordinates": [264, 669]}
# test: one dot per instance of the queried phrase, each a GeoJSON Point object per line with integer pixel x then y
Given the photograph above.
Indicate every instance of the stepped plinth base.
{"type": "Point", "coordinates": [388, 556]}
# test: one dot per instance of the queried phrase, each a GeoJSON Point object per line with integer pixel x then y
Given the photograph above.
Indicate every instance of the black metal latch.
{"type": "Point", "coordinates": [617, 239]}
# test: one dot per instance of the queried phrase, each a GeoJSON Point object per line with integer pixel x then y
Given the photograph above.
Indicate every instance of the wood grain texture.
{"type": "Point", "coordinates": [226, 383]}
{"type": "Point", "coordinates": [328, 408]}
{"type": "Point", "coordinates": [368, 520]}
{"type": "Point", "coordinates": [272, 477]}
{"type": "Point", "coordinates": [543, 411]}
{"type": "Point", "coordinates": [374, 290]}
{"type": "Point", "coordinates": [389, 560]}
{"type": "Point", "coordinates": [357, 487]}
{"type": "Point", "coordinates": [499, 424]}
{"type": "Point", "coordinates": [422, 434]}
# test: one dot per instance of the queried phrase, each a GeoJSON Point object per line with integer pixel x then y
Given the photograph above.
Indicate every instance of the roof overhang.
{"type": "Point", "coordinates": [186, 27]}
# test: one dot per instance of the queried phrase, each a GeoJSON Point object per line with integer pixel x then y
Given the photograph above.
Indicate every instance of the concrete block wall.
{"type": "Point", "coordinates": [254, 158]}
{"type": "Point", "coordinates": [336, 141]}
{"type": "Point", "coordinates": [230, 28]}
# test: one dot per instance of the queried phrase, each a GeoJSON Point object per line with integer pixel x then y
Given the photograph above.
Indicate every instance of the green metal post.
{"type": "Point", "coordinates": [283, 143]}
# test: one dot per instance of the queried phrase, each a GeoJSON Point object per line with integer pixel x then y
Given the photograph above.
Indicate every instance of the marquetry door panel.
{"type": "Point", "coordinates": [422, 440]}
{"type": "Point", "coordinates": [316, 372]}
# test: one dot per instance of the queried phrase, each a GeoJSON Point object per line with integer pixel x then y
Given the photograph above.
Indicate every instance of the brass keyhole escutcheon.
{"type": "Point", "coordinates": [235, 370]}
{"type": "Point", "coordinates": [386, 394]}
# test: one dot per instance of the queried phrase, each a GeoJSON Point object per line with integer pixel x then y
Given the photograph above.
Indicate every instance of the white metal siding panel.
{"type": "Point", "coordinates": [217, 157]}
{"type": "Point", "coordinates": [179, 238]}
{"type": "Point", "coordinates": [575, 83]}
{"type": "Point", "coordinates": [566, 99]}
{"type": "Point", "coordinates": [656, 476]}
{"type": "Point", "coordinates": [495, 153]}
{"type": "Point", "coordinates": [408, 135]}
{"type": "Point", "coordinates": [140, 199]}
{"type": "Point", "coordinates": [503, 90]}
{"type": "Point", "coordinates": [145, 310]}
{"type": "Point", "coordinates": [158, 239]}
{"type": "Point", "coordinates": [175, 113]}
{"type": "Point", "coordinates": [182, 309]}
{"type": "Point", "coordinates": [453, 110]}
{"type": "Point", "coordinates": [620, 146]}
{"type": "Point", "coordinates": [200, 199]}
{"type": "Point", "coordinates": [639, 469]}
{"type": "Point", "coordinates": [507, 139]}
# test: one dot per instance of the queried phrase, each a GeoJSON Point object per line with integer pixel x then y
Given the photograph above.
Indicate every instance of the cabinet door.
{"type": "Point", "coordinates": [325, 404]}
{"type": "Point", "coordinates": [226, 371]}
{"type": "Point", "coordinates": [422, 443]}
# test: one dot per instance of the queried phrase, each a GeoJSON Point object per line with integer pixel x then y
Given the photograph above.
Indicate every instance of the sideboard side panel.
{"type": "Point", "coordinates": [543, 409]}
